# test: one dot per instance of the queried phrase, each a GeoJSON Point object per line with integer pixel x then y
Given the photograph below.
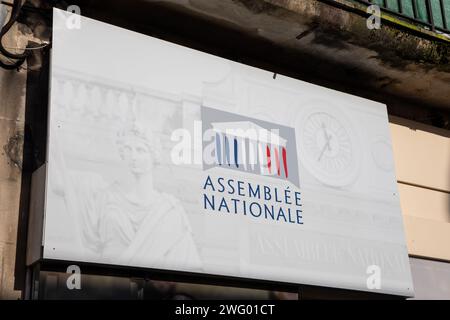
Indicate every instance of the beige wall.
{"type": "Point", "coordinates": [422, 159]}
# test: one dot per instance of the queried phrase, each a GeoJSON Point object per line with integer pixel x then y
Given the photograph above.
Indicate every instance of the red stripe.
{"type": "Point", "coordinates": [285, 162]}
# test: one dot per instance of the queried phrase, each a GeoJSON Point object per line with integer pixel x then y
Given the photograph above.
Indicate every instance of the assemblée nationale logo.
{"type": "Point", "coordinates": [249, 145]}
{"type": "Point", "coordinates": [255, 148]}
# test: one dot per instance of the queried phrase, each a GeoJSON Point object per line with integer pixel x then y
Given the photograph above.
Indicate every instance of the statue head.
{"type": "Point", "coordinates": [138, 147]}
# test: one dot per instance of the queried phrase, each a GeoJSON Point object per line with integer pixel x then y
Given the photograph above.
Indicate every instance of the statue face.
{"type": "Point", "coordinates": [137, 156]}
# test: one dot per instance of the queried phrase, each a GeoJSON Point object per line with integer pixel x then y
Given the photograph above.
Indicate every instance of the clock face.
{"type": "Point", "coordinates": [328, 146]}
{"type": "Point", "coordinates": [328, 142]}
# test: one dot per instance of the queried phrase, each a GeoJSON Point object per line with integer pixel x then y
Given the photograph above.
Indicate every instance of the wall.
{"type": "Point", "coordinates": [422, 158]}
{"type": "Point", "coordinates": [12, 120]}
{"type": "Point", "coordinates": [431, 279]}
{"type": "Point", "coordinates": [12, 124]}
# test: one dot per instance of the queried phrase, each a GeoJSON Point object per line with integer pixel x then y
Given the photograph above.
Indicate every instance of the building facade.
{"type": "Point", "coordinates": [403, 62]}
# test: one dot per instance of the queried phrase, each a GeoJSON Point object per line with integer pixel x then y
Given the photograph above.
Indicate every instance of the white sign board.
{"type": "Point", "coordinates": [164, 157]}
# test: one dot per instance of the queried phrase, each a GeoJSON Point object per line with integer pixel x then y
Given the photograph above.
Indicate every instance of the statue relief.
{"type": "Point", "coordinates": [127, 221]}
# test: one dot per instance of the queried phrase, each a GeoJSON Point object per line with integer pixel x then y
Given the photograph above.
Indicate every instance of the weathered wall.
{"type": "Point", "coordinates": [330, 46]}
{"type": "Point", "coordinates": [12, 123]}
{"type": "Point", "coordinates": [12, 86]}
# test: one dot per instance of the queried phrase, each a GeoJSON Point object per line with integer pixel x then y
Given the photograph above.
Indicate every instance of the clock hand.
{"type": "Point", "coordinates": [327, 144]}
{"type": "Point", "coordinates": [327, 137]}
{"type": "Point", "coordinates": [321, 153]}
{"type": "Point", "coordinates": [324, 148]}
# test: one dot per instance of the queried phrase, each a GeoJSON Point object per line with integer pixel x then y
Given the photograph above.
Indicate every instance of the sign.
{"type": "Point", "coordinates": [168, 158]}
